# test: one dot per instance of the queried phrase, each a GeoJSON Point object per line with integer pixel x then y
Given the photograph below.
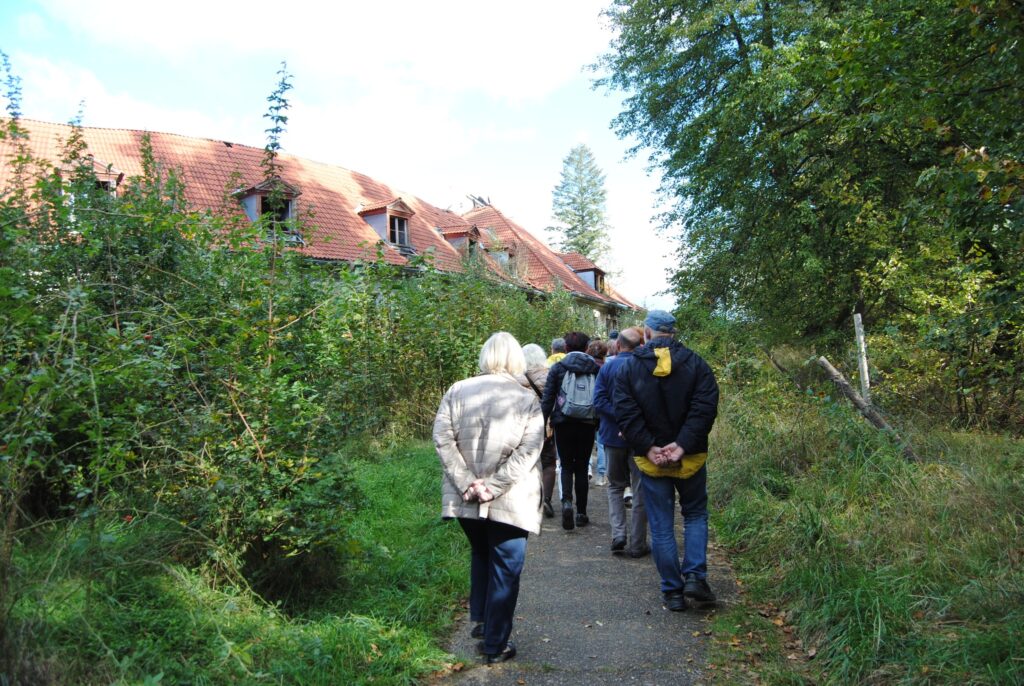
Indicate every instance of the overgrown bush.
{"type": "Point", "coordinates": [187, 366]}
{"type": "Point", "coordinates": [393, 345]}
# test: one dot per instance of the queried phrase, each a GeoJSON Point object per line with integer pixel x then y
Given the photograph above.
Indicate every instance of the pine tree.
{"type": "Point", "coordinates": [578, 204]}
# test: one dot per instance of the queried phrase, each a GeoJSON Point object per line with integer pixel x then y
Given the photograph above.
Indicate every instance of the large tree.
{"type": "Point", "coordinates": [578, 204]}
{"type": "Point", "coordinates": [829, 158]}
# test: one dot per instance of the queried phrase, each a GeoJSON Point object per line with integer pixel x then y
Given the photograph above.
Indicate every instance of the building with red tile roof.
{"type": "Point", "coordinates": [538, 266]}
{"type": "Point", "coordinates": [347, 216]}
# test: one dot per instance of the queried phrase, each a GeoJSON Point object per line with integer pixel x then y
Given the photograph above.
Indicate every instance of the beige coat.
{"type": "Point", "coordinates": [491, 427]}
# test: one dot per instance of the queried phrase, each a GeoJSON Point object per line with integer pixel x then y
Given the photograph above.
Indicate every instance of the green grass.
{"type": "Point", "coordinates": [889, 572]}
{"type": "Point", "coordinates": [114, 607]}
{"type": "Point", "coordinates": [893, 572]}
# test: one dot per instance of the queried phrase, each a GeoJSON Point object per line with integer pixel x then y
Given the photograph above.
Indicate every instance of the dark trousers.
{"type": "Point", "coordinates": [496, 561]}
{"type": "Point", "coordinates": [548, 462]}
{"type": "Point", "coordinates": [575, 441]}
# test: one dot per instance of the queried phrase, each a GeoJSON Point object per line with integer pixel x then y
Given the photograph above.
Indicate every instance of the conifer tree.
{"type": "Point", "coordinates": [578, 204]}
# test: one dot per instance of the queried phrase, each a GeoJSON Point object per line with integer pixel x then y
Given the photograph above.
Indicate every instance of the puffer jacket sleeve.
{"type": "Point", "coordinates": [628, 413]}
{"type": "Point", "coordinates": [603, 392]}
{"type": "Point", "coordinates": [700, 416]}
{"type": "Point", "coordinates": [524, 456]}
{"type": "Point", "coordinates": [551, 388]}
{"type": "Point", "coordinates": [452, 461]}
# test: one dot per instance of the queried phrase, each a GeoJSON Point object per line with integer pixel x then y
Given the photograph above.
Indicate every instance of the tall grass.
{"type": "Point", "coordinates": [893, 572]}
{"type": "Point", "coordinates": [112, 604]}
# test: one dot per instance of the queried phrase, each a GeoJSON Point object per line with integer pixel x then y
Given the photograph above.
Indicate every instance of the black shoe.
{"type": "Point", "coordinates": [618, 546]}
{"type": "Point", "coordinates": [549, 511]}
{"type": "Point", "coordinates": [477, 631]}
{"type": "Point", "coordinates": [696, 588]}
{"type": "Point", "coordinates": [480, 648]}
{"type": "Point", "coordinates": [674, 601]}
{"type": "Point", "coordinates": [582, 519]}
{"type": "Point", "coordinates": [642, 552]}
{"type": "Point", "coordinates": [567, 513]}
{"type": "Point", "coordinates": [507, 654]}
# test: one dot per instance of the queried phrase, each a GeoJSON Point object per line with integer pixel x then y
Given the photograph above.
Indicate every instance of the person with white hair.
{"type": "Point", "coordinates": [488, 434]}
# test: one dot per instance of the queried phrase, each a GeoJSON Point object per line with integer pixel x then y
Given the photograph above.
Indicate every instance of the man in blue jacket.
{"type": "Point", "coordinates": [622, 470]}
{"type": "Point", "coordinates": [666, 401]}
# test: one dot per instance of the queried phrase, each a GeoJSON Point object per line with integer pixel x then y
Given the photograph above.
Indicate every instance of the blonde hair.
{"type": "Point", "coordinates": [534, 355]}
{"type": "Point", "coordinates": [501, 354]}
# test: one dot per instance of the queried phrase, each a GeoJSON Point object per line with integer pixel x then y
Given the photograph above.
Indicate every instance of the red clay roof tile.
{"type": "Point", "coordinates": [212, 169]}
{"type": "Point", "coordinates": [540, 267]}
{"type": "Point", "coordinates": [578, 262]}
{"type": "Point", "coordinates": [331, 199]}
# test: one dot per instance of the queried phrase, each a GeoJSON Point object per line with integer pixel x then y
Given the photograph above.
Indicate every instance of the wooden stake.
{"type": "Point", "coordinates": [862, 358]}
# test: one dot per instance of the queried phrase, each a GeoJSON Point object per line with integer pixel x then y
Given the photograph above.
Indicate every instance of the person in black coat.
{"type": "Point", "coordinates": [666, 401]}
{"type": "Point", "coordinates": [574, 438]}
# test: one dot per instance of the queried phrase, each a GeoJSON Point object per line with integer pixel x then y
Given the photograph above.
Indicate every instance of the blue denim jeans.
{"type": "Point", "coordinates": [659, 499]}
{"type": "Point", "coordinates": [498, 552]}
{"type": "Point", "coordinates": [602, 460]}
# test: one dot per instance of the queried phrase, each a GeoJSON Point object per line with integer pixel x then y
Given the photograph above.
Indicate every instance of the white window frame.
{"type": "Point", "coordinates": [398, 229]}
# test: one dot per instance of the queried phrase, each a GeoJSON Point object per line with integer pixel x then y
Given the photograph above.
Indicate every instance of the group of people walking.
{"type": "Point", "coordinates": [502, 435]}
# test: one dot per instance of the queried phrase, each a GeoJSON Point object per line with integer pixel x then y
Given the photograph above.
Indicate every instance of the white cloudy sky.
{"type": "Point", "coordinates": [439, 99]}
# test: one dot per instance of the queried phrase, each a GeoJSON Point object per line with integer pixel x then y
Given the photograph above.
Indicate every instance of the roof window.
{"type": "Point", "coordinates": [274, 199]}
{"type": "Point", "coordinates": [390, 220]}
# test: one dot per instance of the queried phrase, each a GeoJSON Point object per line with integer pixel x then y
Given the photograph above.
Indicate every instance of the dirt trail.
{"type": "Point", "coordinates": [588, 617]}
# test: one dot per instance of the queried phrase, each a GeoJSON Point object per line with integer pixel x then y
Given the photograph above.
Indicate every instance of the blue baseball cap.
{"type": "Point", "coordinates": [660, 321]}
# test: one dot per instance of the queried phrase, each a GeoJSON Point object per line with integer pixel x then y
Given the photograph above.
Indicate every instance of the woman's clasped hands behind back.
{"type": "Point", "coordinates": [478, 492]}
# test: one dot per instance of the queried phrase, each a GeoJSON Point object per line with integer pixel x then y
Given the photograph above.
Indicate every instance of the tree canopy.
{"type": "Point", "coordinates": [827, 158]}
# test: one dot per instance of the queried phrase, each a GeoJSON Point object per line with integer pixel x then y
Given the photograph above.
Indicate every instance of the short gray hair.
{"type": "Point", "coordinates": [558, 345]}
{"type": "Point", "coordinates": [534, 355]}
{"type": "Point", "coordinates": [501, 354]}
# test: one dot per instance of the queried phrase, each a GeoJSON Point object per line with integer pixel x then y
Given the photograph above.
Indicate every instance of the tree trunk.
{"type": "Point", "coordinates": [869, 412]}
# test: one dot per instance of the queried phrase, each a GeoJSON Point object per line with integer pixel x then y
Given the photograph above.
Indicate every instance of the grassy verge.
{"type": "Point", "coordinates": [108, 604]}
{"type": "Point", "coordinates": [889, 572]}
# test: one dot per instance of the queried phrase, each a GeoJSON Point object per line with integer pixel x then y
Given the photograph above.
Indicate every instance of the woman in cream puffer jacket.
{"type": "Point", "coordinates": [488, 433]}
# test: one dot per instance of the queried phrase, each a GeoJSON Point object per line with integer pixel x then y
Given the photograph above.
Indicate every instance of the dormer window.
{"type": "Point", "coordinates": [275, 200]}
{"type": "Point", "coordinates": [398, 230]}
{"type": "Point", "coordinates": [496, 247]}
{"type": "Point", "coordinates": [461, 235]}
{"type": "Point", "coordinates": [588, 272]}
{"type": "Point", "coordinates": [390, 220]}
{"type": "Point", "coordinates": [280, 213]}
{"type": "Point", "coordinates": [105, 179]}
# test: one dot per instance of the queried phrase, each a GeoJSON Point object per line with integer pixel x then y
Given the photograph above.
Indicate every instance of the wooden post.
{"type": "Point", "coordinates": [862, 358]}
{"type": "Point", "coordinates": [869, 412]}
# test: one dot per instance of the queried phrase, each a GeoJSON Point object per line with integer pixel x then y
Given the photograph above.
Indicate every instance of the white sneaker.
{"type": "Point", "coordinates": [627, 497]}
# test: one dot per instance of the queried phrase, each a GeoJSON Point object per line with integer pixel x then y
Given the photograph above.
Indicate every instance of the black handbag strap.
{"type": "Point", "coordinates": [535, 389]}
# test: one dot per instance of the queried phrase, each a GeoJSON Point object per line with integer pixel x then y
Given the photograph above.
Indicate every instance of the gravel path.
{"type": "Point", "coordinates": [588, 617]}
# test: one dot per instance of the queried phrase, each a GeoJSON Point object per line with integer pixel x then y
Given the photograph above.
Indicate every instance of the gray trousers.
{"type": "Point", "coordinates": [622, 472]}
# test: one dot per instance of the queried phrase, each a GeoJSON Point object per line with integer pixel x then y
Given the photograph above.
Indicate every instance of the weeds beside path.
{"type": "Point", "coordinates": [588, 617]}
